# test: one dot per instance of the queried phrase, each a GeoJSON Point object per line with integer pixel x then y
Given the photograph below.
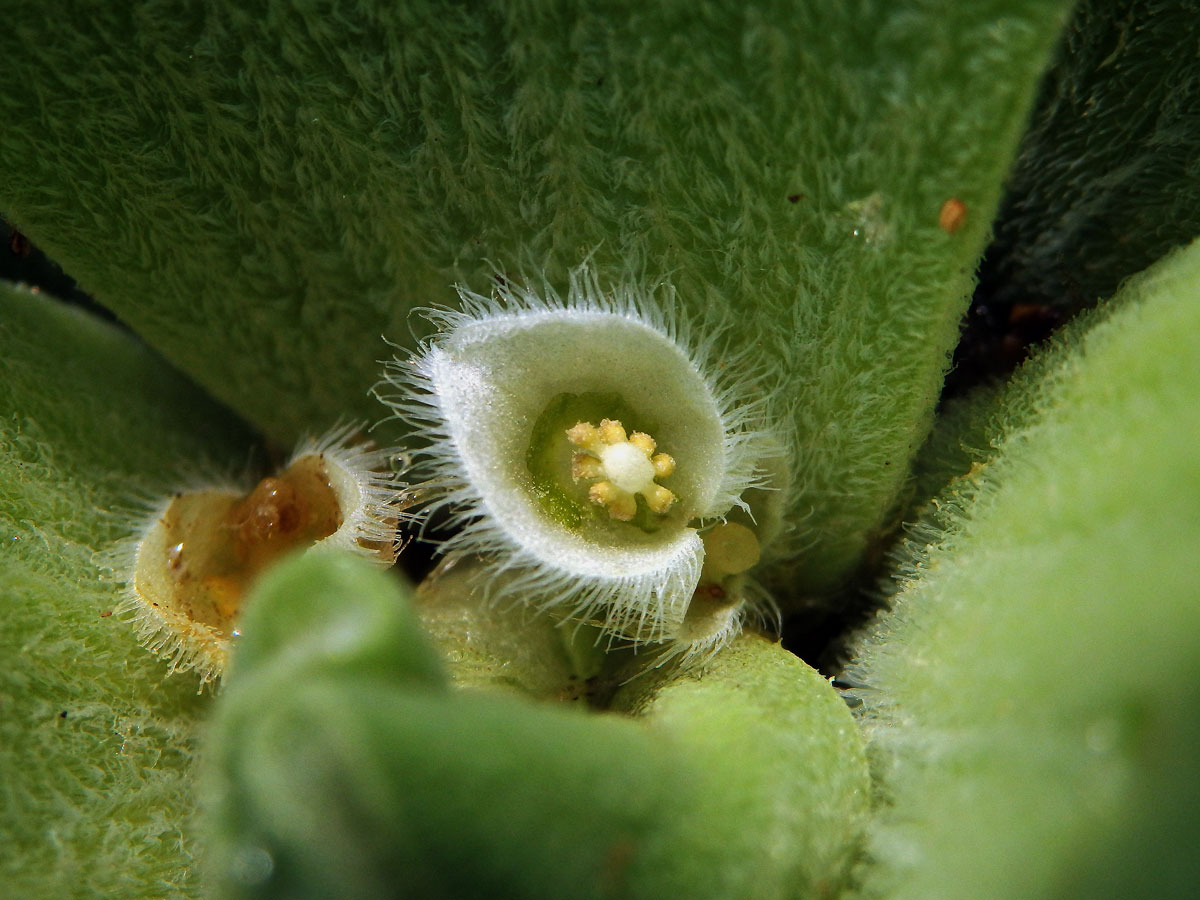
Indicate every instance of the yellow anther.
{"type": "Point", "coordinates": [612, 431]}
{"type": "Point", "coordinates": [664, 465]}
{"type": "Point", "coordinates": [643, 442]}
{"type": "Point", "coordinates": [658, 498]}
{"type": "Point", "coordinates": [627, 465]}
{"type": "Point", "coordinates": [584, 434]}
{"type": "Point", "coordinates": [621, 504]}
{"type": "Point", "coordinates": [602, 492]}
{"type": "Point", "coordinates": [584, 465]}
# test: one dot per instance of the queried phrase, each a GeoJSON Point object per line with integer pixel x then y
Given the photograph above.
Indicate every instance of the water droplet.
{"type": "Point", "coordinates": [175, 560]}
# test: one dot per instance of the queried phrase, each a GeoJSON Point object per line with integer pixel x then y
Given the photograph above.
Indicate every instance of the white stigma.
{"type": "Point", "coordinates": [627, 467]}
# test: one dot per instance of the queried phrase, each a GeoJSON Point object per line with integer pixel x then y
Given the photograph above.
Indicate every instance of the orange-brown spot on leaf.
{"type": "Point", "coordinates": [952, 216]}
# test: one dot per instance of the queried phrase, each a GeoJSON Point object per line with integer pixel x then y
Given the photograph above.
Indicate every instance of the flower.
{"type": "Point", "coordinates": [587, 443]}
{"type": "Point", "coordinates": [192, 559]}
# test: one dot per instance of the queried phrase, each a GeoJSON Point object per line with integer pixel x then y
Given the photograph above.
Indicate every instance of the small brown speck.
{"type": "Point", "coordinates": [63, 714]}
{"type": "Point", "coordinates": [795, 198]}
{"type": "Point", "coordinates": [106, 614]}
{"type": "Point", "coordinates": [952, 216]}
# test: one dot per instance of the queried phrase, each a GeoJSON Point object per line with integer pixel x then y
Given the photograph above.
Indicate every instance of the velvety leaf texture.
{"type": "Point", "coordinates": [343, 766]}
{"type": "Point", "coordinates": [1015, 693]}
{"type": "Point", "coordinates": [97, 744]}
{"type": "Point", "coordinates": [797, 195]}
{"type": "Point", "coordinates": [300, 179]}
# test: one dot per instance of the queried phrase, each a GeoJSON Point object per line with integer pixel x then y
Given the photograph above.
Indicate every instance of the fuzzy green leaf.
{"type": "Point", "coordinates": [298, 180]}
{"type": "Point", "coordinates": [97, 745]}
{"type": "Point", "coordinates": [1031, 695]}
{"type": "Point", "coordinates": [341, 771]}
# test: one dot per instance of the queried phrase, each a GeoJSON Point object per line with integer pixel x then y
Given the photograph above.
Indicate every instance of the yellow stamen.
{"type": "Point", "coordinates": [659, 499]}
{"type": "Point", "coordinates": [621, 504]}
{"type": "Point", "coordinates": [584, 465]}
{"type": "Point", "coordinates": [612, 431]}
{"type": "Point", "coordinates": [643, 442]}
{"type": "Point", "coordinates": [627, 465]}
{"type": "Point", "coordinates": [664, 465]}
{"type": "Point", "coordinates": [584, 434]}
